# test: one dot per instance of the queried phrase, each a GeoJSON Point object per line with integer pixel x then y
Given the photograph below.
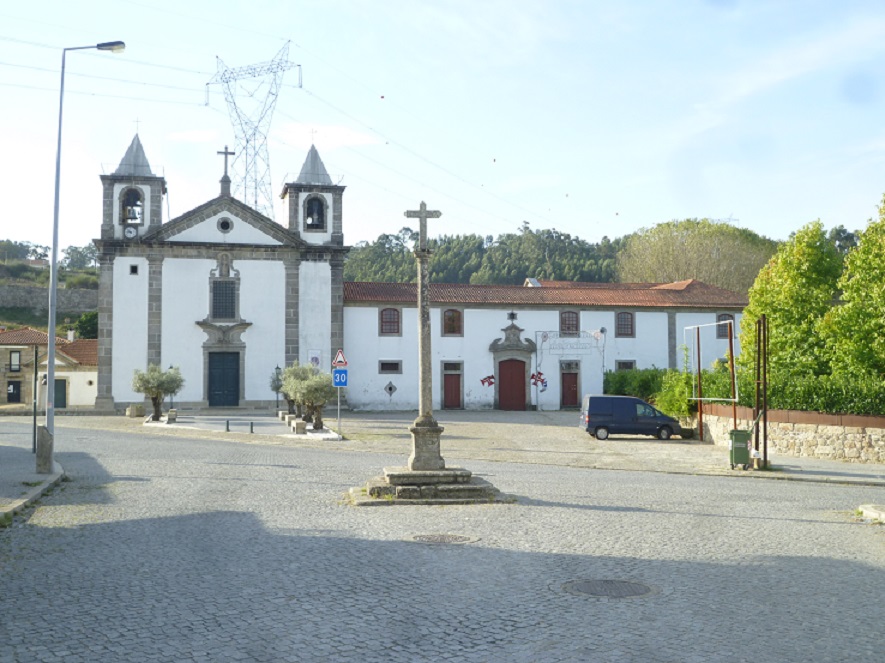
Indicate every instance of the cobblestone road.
{"type": "Point", "coordinates": [166, 548]}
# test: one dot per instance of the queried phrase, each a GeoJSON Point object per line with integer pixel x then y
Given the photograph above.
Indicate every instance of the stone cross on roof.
{"type": "Point", "coordinates": [226, 154]}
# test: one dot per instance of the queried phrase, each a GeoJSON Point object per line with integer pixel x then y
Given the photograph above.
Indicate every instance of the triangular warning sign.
{"type": "Point", "coordinates": [339, 360]}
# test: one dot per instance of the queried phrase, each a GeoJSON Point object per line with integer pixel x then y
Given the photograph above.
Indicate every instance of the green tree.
{"type": "Point", "coordinates": [10, 250]}
{"type": "Point", "coordinates": [79, 257]}
{"type": "Point", "coordinates": [156, 384]}
{"type": "Point", "coordinates": [292, 378]}
{"type": "Point", "coordinates": [314, 393]}
{"type": "Point", "coordinates": [87, 325]}
{"type": "Point", "coordinates": [855, 329]}
{"type": "Point", "coordinates": [716, 253]}
{"type": "Point", "coordinates": [794, 290]}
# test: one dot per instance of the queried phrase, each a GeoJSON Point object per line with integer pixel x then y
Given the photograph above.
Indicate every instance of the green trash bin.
{"type": "Point", "coordinates": [739, 448]}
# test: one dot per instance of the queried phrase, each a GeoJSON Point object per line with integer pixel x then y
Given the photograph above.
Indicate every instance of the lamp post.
{"type": "Point", "coordinates": [277, 373]}
{"type": "Point", "coordinates": [171, 396]}
{"type": "Point", "coordinates": [46, 466]}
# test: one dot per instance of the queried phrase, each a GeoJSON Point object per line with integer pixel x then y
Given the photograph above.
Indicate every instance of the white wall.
{"type": "Point", "coordinates": [130, 335]}
{"type": "Point", "coordinates": [263, 303]}
{"type": "Point", "coordinates": [315, 313]}
{"type": "Point", "coordinates": [186, 300]}
{"type": "Point", "coordinates": [241, 233]}
{"type": "Point", "coordinates": [80, 392]}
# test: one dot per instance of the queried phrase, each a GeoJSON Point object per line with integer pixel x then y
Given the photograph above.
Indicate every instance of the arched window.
{"type": "Point", "coordinates": [722, 328]}
{"type": "Point", "coordinates": [132, 206]}
{"type": "Point", "coordinates": [568, 323]}
{"type": "Point", "coordinates": [315, 213]}
{"type": "Point", "coordinates": [624, 325]}
{"type": "Point", "coordinates": [389, 322]}
{"type": "Point", "coordinates": [452, 323]}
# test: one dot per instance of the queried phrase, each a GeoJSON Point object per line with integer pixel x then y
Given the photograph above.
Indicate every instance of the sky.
{"type": "Point", "coordinates": [595, 118]}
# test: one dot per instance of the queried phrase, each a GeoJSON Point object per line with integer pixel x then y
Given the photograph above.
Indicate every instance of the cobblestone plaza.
{"type": "Point", "coordinates": [187, 548]}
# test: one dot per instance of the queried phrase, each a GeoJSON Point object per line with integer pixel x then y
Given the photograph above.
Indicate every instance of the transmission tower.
{"type": "Point", "coordinates": [251, 93]}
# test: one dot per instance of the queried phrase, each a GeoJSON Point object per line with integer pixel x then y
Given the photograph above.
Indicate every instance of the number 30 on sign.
{"type": "Point", "coordinates": [339, 377]}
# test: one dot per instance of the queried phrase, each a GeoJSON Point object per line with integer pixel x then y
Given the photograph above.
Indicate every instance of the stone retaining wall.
{"type": "Point", "coordinates": [36, 299]}
{"type": "Point", "coordinates": [850, 438]}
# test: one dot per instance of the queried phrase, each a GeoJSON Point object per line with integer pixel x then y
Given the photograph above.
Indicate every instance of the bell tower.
{"type": "Point", "coordinates": [132, 197]}
{"type": "Point", "coordinates": [315, 204]}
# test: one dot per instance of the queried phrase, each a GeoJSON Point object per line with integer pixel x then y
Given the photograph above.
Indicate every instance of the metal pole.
{"type": "Point", "coordinates": [339, 414]}
{"type": "Point", "coordinates": [734, 415]}
{"type": "Point", "coordinates": [700, 389]}
{"type": "Point", "coordinates": [758, 376]}
{"type": "Point", "coordinates": [53, 265]}
{"type": "Point", "coordinates": [765, 391]}
{"type": "Point", "coordinates": [34, 401]}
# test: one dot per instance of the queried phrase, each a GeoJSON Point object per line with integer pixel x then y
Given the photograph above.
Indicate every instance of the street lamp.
{"type": "Point", "coordinates": [277, 373]}
{"type": "Point", "coordinates": [116, 47]}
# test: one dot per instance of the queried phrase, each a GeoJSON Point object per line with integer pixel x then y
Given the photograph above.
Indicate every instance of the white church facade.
{"type": "Point", "coordinates": [226, 295]}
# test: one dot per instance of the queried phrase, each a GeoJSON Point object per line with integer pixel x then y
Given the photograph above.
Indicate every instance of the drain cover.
{"type": "Point", "coordinates": [441, 538]}
{"type": "Point", "coordinates": [613, 589]}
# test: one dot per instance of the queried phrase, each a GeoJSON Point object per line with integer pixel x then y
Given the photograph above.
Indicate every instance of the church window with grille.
{"type": "Point", "coordinates": [224, 290]}
{"type": "Point", "coordinates": [389, 322]}
{"type": "Point", "coordinates": [568, 323]}
{"type": "Point", "coordinates": [452, 322]}
{"type": "Point", "coordinates": [624, 325]}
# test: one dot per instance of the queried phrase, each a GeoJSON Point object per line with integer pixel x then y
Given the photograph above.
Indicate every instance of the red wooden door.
{"type": "Point", "coordinates": [511, 385]}
{"type": "Point", "coordinates": [451, 391]}
{"type": "Point", "coordinates": [569, 390]}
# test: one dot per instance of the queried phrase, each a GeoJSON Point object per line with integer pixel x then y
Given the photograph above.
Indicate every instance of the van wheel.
{"type": "Point", "coordinates": [664, 433]}
{"type": "Point", "coordinates": [602, 433]}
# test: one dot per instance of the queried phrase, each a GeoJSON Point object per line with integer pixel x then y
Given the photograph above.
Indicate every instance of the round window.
{"type": "Point", "coordinates": [225, 225]}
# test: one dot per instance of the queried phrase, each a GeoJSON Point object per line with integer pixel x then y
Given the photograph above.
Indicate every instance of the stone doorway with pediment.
{"type": "Point", "coordinates": [513, 360]}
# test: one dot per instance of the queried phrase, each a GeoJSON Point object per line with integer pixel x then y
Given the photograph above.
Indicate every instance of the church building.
{"type": "Point", "coordinates": [227, 295]}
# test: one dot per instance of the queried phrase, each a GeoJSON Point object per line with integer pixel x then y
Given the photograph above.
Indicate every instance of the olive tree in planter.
{"type": "Point", "coordinates": [156, 384]}
{"type": "Point", "coordinates": [293, 378]}
{"type": "Point", "coordinates": [314, 394]}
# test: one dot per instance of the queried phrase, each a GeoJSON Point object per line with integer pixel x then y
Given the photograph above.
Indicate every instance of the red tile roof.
{"type": "Point", "coordinates": [83, 350]}
{"type": "Point", "coordinates": [682, 294]}
{"type": "Point", "coordinates": [27, 336]}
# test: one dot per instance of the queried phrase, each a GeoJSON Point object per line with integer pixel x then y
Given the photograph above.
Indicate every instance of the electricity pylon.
{"type": "Point", "coordinates": [251, 93]}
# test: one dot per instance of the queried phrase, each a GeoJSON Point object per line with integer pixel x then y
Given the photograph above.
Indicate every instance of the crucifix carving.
{"type": "Point", "coordinates": [423, 214]}
{"type": "Point", "coordinates": [226, 154]}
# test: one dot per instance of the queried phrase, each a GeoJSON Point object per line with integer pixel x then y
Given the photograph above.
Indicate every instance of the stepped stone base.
{"type": "Point", "coordinates": [399, 485]}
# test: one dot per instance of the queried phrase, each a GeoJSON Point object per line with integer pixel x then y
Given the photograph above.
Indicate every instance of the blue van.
{"type": "Point", "coordinates": [602, 416]}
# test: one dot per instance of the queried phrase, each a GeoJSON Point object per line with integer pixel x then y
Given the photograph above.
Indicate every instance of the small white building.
{"type": "Point", "coordinates": [227, 295]}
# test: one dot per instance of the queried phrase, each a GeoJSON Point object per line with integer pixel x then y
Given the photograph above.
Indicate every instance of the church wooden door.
{"type": "Point", "coordinates": [511, 381]}
{"type": "Point", "coordinates": [452, 391]}
{"type": "Point", "coordinates": [224, 379]}
{"type": "Point", "coordinates": [569, 390]}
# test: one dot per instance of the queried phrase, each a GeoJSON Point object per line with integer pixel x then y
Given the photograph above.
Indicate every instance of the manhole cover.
{"type": "Point", "coordinates": [441, 538]}
{"type": "Point", "coordinates": [613, 589]}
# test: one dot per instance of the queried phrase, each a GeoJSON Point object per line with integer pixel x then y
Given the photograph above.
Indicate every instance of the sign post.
{"type": "Point", "coordinates": [339, 379]}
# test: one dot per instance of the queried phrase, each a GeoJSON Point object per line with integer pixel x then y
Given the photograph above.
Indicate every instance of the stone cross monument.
{"type": "Point", "coordinates": [425, 431]}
